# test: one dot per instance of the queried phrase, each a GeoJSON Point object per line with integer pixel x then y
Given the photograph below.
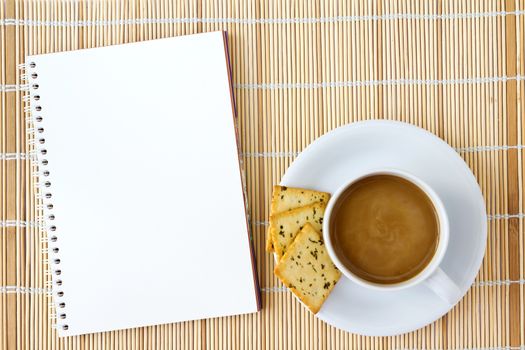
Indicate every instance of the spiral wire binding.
{"type": "Point", "coordinates": [40, 172]}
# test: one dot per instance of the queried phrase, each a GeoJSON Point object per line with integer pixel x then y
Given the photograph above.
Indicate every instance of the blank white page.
{"type": "Point", "coordinates": [145, 182]}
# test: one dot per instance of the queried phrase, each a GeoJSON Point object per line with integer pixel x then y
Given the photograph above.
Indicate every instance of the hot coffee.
{"type": "Point", "coordinates": [384, 229]}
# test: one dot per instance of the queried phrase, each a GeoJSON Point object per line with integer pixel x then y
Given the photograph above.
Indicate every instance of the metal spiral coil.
{"type": "Point", "coordinates": [37, 142]}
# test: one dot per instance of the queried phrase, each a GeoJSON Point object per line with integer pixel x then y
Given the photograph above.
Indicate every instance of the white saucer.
{"type": "Point", "coordinates": [335, 157]}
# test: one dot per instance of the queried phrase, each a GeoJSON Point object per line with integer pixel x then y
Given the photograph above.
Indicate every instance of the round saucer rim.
{"type": "Point", "coordinates": [475, 263]}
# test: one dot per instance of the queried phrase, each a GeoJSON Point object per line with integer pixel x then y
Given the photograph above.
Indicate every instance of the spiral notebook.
{"type": "Point", "coordinates": [142, 191]}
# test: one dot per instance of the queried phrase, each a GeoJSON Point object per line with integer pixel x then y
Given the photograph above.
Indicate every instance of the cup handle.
{"type": "Point", "coordinates": [443, 286]}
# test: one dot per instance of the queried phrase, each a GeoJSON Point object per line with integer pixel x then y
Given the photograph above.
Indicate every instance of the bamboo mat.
{"type": "Point", "coordinates": [300, 68]}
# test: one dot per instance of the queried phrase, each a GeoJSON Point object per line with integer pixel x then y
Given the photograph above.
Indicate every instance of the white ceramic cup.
{"type": "Point", "coordinates": [431, 276]}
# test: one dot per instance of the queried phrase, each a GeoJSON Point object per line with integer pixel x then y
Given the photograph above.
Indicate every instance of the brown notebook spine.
{"type": "Point", "coordinates": [241, 169]}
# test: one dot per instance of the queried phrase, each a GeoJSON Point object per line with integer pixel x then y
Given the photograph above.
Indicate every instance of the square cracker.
{"type": "Point", "coordinates": [307, 269]}
{"type": "Point", "coordinates": [269, 241]}
{"type": "Point", "coordinates": [285, 226]}
{"type": "Point", "coordinates": [287, 198]}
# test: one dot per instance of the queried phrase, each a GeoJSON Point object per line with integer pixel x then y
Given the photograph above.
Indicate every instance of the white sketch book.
{"type": "Point", "coordinates": [139, 171]}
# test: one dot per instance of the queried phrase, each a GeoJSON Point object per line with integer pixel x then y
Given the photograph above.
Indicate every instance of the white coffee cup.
{"type": "Point", "coordinates": [431, 276]}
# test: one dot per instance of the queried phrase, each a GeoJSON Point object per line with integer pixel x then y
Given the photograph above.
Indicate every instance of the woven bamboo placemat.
{"type": "Point", "coordinates": [300, 69]}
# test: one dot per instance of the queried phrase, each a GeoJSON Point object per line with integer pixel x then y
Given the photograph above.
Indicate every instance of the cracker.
{"type": "Point", "coordinates": [307, 270]}
{"type": "Point", "coordinates": [287, 198]}
{"type": "Point", "coordinates": [269, 241]}
{"type": "Point", "coordinates": [285, 226]}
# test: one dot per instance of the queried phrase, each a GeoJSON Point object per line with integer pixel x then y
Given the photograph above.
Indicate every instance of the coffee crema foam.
{"type": "Point", "coordinates": [384, 229]}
